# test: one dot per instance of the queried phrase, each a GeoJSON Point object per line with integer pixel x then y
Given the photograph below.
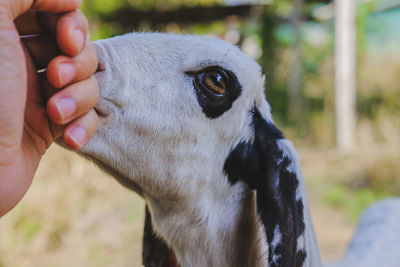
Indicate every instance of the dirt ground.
{"type": "Point", "coordinates": [75, 215]}
{"type": "Point", "coordinates": [332, 227]}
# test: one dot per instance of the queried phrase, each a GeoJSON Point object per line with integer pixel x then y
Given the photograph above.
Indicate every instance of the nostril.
{"type": "Point", "coordinates": [100, 67]}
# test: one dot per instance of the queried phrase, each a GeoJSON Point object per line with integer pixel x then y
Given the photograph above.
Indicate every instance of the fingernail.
{"type": "Point", "coordinates": [80, 38]}
{"type": "Point", "coordinates": [78, 135]}
{"type": "Point", "coordinates": [66, 107]}
{"type": "Point", "coordinates": [66, 73]}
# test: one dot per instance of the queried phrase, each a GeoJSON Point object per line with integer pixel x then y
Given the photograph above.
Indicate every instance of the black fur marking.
{"type": "Point", "coordinates": [156, 253]}
{"type": "Point", "coordinates": [264, 168]}
{"type": "Point", "coordinates": [300, 257]}
{"type": "Point", "coordinates": [214, 105]}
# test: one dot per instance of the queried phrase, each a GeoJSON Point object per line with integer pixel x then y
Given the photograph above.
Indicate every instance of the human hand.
{"type": "Point", "coordinates": [33, 109]}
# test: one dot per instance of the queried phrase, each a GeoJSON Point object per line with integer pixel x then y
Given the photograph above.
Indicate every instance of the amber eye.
{"type": "Point", "coordinates": [215, 81]}
{"type": "Point", "coordinates": [215, 88]}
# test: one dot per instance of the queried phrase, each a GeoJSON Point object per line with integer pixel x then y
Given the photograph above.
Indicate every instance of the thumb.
{"type": "Point", "coordinates": [13, 88]}
{"type": "Point", "coordinates": [14, 8]}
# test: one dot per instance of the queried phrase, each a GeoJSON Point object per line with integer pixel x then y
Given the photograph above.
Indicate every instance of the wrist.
{"type": "Point", "coordinates": [13, 185]}
{"type": "Point", "coordinates": [15, 180]}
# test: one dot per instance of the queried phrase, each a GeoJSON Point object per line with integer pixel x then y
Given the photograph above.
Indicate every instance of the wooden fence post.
{"type": "Point", "coordinates": [345, 73]}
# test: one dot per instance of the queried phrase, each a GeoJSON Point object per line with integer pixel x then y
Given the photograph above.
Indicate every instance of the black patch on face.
{"type": "Point", "coordinates": [212, 103]}
{"type": "Point", "coordinates": [264, 167]}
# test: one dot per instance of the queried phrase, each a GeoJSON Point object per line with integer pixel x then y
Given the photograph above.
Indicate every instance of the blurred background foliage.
{"type": "Point", "coordinates": [76, 215]}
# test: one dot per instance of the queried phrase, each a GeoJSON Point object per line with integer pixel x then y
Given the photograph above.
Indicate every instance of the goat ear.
{"type": "Point", "coordinates": [266, 166]}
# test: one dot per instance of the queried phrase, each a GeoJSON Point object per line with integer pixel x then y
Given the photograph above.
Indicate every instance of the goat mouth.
{"type": "Point", "coordinates": [99, 112]}
{"type": "Point", "coordinates": [100, 67]}
{"type": "Point", "coordinates": [104, 110]}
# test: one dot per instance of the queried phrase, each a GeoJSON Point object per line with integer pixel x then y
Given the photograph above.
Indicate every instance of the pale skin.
{"type": "Point", "coordinates": [36, 109]}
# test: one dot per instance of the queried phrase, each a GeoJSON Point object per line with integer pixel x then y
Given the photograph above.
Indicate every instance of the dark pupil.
{"type": "Point", "coordinates": [215, 82]}
{"type": "Point", "coordinates": [216, 78]}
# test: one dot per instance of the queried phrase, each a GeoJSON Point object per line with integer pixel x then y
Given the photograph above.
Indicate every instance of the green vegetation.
{"type": "Point", "coordinates": [135, 214]}
{"type": "Point", "coordinates": [353, 202]}
{"type": "Point", "coordinates": [27, 225]}
{"type": "Point", "coordinates": [97, 257]}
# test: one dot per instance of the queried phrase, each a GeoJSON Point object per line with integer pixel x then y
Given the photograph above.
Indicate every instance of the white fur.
{"type": "Point", "coordinates": [156, 136]}
{"type": "Point", "coordinates": [277, 237]}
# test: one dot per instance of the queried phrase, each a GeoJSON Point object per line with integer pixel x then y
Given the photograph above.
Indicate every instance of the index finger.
{"type": "Point", "coordinates": [14, 8]}
{"type": "Point", "coordinates": [56, 6]}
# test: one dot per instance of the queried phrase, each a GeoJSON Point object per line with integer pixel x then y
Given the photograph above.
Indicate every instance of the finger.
{"type": "Point", "coordinates": [48, 20]}
{"type": "Point", "coordinates": [78, 133]}
{"type": "Point", "coordinates": [13, 8]}
{"type": "Point", "coordinates": [73, 101]}
{"type": "Point", "coordinates": [42, 49]}
{"type": "Point", "coordinates": [28, 23]}
{"type": "Point", "coordinates": [64, 70]}
{"type": "Point", "coordinates": [56, 6]}
{"type": "Point", "coordinates": [72, 30]}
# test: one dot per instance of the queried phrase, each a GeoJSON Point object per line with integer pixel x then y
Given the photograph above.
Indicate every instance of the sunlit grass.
{"type": "Point", "coordinates": [73, 215]}
{"type": "Point", "coordinates": [353, 202]}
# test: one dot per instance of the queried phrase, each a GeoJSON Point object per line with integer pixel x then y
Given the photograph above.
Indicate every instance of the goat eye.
{"type": "Point", "coordinates": [216, 89]}
{"type": "Point", "coordinates": [215, 81]}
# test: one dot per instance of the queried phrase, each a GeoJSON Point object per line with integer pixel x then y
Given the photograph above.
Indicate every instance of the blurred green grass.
{"type": "Point", "coordinates": [353, 202]}
{"type": "Point", "coordinates": [74, 215]}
